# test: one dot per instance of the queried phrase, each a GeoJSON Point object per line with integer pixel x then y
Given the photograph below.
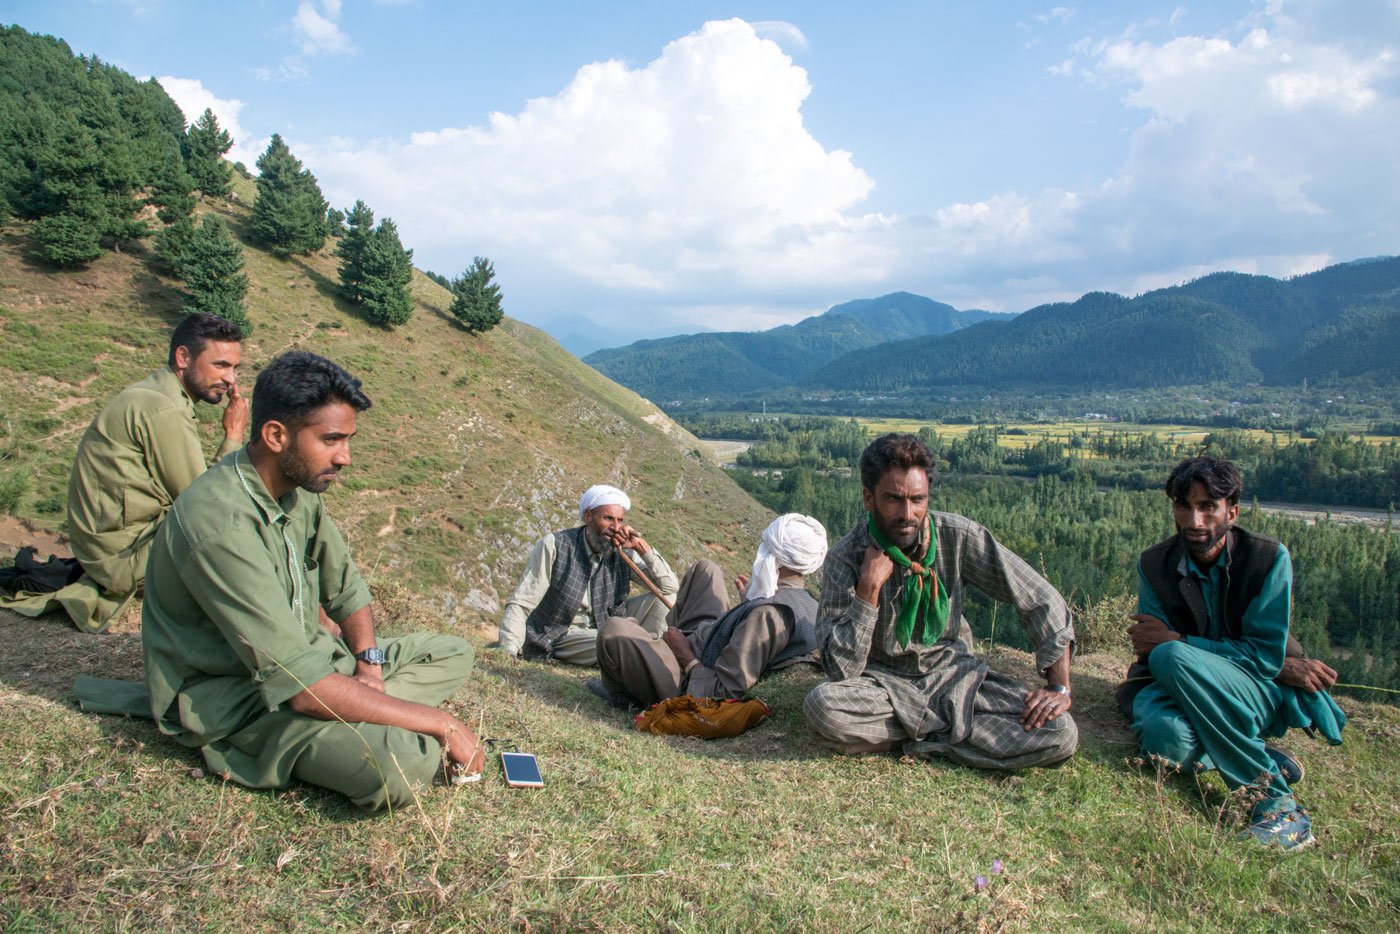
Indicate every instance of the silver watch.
{"type": "Point", "coordinates": [373, 655]}
{"type": "Point", "coordinates": [1059, 689]}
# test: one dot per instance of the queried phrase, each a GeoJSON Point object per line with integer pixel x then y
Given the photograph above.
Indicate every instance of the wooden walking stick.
{"type": "Point", "coordinates": [646, 581]}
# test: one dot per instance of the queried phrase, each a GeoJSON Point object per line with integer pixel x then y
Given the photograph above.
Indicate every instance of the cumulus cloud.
{"type": "Point", "coordinates": [194, 98]}
{"type": "Point", "coordinates": [668, 176]}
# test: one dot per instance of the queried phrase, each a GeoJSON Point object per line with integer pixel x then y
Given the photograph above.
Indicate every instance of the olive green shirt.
{"type": "Point", "coordinates": [229, 628]}
{"type": "Point", "coordinates": [139, 453]}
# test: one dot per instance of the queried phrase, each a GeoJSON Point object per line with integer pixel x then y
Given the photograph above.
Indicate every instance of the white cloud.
{"type": "Point", "coordinates": [194, 98]}
{"type": "Point", "coordinates": [317, 33]}
{"type": "Point", "coordinates": [788, 37]}
{"type": "Point", "coordinates": [692, 168]}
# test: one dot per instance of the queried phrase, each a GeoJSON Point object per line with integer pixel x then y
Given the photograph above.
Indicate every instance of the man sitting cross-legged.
{"type": "Point", "coordinates": [709, 650]}
{"type": "Point", "coordinates": [1217, 670]}
{"type": "Point", "coordinates": [897, 650]}
{"type": "Point", "coordinates": [237, 662]}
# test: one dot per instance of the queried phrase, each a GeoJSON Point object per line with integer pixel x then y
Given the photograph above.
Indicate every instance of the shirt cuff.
{"type": "Point", "coordinates": [280, 682]}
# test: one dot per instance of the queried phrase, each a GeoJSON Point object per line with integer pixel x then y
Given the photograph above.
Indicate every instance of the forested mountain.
{"type": "Point", "coordinates": [1342, 322]}
{"type": "Point", "coordinates": [744, 361]}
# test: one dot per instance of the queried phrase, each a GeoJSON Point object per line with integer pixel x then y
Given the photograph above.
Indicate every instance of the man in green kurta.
{"type": "Point", "coordinates": [139, 453]}
{"type": "Point", "coordinates": [237, 662]}
{"type": "Point", "coordinates": [1217, 670]}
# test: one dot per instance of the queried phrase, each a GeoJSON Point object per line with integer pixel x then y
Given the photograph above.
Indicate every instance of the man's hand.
{"type": "Point", "coordinates": [236, 414]}
{"type": "Point", "coordinates": [679, 645]}
{"type": "Point", "coordinates": [874, 571]}
{"type": "Point", "coordinates": [741, 584]}
{"type": "Point", "coordinates": [624, 536]}
{"type": "Point", "coordinates": [1307, 673]}
{"type": "Point", "coordinates": [1148, 633]}
{"type": "Point", "coordinates": [1042, 706]}
{"type": "Point", "coordinates": [463, 748]}
{"type": "Point", "coordinates": [371, 676]}
{"type": "Point", "coordinates": [329, 624]}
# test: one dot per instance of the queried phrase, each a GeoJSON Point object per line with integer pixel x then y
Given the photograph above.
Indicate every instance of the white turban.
{"type": "Point", "coordinates": [791, 541]}
{"type": "Point", "coordinates": [602, 495]}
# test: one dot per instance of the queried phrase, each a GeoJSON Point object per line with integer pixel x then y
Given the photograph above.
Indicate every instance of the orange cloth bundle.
{"type": "Point", "coordinates": [705, 717]}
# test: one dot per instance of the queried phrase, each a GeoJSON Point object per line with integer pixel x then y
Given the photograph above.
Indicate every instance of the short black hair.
{"type": "Point", "coordinates": [894, 450]}
{"type": "Point", "coordinates": [1221, 479]}
{"type": "Point", "coordinates": [298, 383]}
{"type": "Point", "coordinates": [197, 330]}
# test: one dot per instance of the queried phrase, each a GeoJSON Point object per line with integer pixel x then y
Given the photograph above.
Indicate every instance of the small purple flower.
{"type": "Point", "coordinates": [997, 867]}
{"type": "Point", "coordinates": [980, 882]}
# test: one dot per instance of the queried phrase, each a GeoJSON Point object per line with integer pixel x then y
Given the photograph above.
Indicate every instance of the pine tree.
{"type": "Point", "coordinates": [387, 269]}
{"type": "Point", "coordinates": [335, 223]}
{"type": "Point", "coordinates": [290, 213]}
{"type": "Point", "coordinates": [477, 300]}
{"type": "Point", "coordinates": [67, 239]}
{"type": "Point", "coordinates": [170, 242]}
{"type": "Point", "coordinates": [204, 146]}
{"type": "Point", "coordinates": [211, 264]}
{"type": "Point", "coordinates": [351, 250]}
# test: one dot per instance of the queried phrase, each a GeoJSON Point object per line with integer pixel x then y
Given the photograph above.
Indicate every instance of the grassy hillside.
{"type": "Point", "coordinates": [477, 445]}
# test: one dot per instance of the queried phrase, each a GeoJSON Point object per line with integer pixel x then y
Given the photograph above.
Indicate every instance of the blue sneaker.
{"type": "Point", "coordinates": [1287, 830]}
{"type": "Point", "coordinates": [1288, 765]}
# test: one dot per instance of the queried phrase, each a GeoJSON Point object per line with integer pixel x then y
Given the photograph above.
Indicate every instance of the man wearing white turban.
{"type": "Point", "coordinates": [577, 578]}
{"type": "Point", "coordinates": [710, 650]}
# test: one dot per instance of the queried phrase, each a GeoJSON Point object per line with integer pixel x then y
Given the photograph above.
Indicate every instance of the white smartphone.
{"type": "Point", "coordinates": [522, 771]}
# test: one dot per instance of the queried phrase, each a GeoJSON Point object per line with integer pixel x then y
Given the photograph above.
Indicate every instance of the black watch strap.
{"type": "Point", "coordinates": [373, 655]}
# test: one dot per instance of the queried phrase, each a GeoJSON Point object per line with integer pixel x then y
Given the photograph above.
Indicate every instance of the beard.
{"type": "Point", "coordinates": [210, 392]}
{"type": "Point", "coordinates": [904, 537]}
{"type": "Point", "coordinates": [298, 471]}
{"type": "Point", "coordinates": [1203, 548]}
{"type": "Point", "coordinates": [597, 541]}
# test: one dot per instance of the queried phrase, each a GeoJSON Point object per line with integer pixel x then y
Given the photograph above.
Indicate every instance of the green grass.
{"type": "Point", "coordinates": [110, 824]}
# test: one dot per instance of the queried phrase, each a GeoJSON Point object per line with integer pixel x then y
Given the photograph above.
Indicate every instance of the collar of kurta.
{"type": "Point", "coordinates": [169, 382]}
{"type": "Point", "coordinates": [272, 510]}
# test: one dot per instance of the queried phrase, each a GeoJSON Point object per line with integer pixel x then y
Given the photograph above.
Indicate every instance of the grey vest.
{"type": "Point", "coordinates": [797, 605]}
{"type": "Point", "coordinates": [568, 581]}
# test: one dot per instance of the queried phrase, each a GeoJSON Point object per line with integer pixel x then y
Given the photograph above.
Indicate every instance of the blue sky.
{"type": "Point", "coordinates": [640, 169]}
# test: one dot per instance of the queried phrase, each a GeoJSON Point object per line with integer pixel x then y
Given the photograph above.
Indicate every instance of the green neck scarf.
{"type": "Point", "coordinates": [925, 597]}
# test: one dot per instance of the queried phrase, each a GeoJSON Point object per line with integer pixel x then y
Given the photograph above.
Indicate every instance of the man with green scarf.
{"type": "Point", "coordinates": [895, 646]}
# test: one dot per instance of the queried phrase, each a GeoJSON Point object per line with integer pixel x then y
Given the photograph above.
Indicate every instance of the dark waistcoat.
{"type": "Point", "coordinates": [797, 605]}
{"type": "Point", "coordinates": [1179, 591]}
{"type": "Point", "coordinates": [568, 581]}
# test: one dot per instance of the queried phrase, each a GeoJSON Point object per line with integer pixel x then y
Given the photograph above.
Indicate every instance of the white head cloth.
{"type": "Point", "coordinates": [602, 495]}
{"type": "Point", "coordinates": [791, 541]}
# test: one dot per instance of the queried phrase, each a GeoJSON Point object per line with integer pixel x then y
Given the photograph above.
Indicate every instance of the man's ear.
{"type": "Point", "coordinates": [275, 436]}
{"type": "Point", "coordinates": [869, 497]}
{"type": "Point", "coordinates": [183, 358]}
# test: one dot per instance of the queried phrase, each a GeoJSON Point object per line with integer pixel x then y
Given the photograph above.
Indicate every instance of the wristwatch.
{"type": "Point", "coordinates": [1059, 689]}
{"type": "Point", "coordinates": [373, 655]}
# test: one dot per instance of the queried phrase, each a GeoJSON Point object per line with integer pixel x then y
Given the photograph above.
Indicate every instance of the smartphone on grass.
{"type": "Point", "coordinates": [522, 770]}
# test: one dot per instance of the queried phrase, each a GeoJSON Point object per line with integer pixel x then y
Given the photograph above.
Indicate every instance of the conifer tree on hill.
{"type": "Point", "coordinates": [204, 146]}
{"type": "Point", "coordinates": [290, 213]}
{"type": "Point", "coordinates": [476, 298]}
{"type": "Point", "coordinates": [387, 270]}
{"type": "Point", "coordinates": [211, 265]}
{"type": "Point", "coordinates": [351, 250]}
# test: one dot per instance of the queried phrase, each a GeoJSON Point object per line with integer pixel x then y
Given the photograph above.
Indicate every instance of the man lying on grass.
{"type": "Point", "coordinates": [897, 649]}
{"type": "Point", "coordinates": [1217, 670]}
{"type": "Point", "coordinates": [237, 662]}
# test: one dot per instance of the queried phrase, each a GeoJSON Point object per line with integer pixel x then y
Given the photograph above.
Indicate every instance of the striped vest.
{"type": "Point", "coordinates": [568, 582]}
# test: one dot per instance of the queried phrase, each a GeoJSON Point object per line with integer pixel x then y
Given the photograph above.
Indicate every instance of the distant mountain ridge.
{"type": "Point", "coordinates": [724, 362]}
{"type": "Point", "coordinates": [1339, 322]}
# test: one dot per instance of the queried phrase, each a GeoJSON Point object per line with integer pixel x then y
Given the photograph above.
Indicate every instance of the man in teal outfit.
{"type": "Point", "coordinates": [1217, 671]}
